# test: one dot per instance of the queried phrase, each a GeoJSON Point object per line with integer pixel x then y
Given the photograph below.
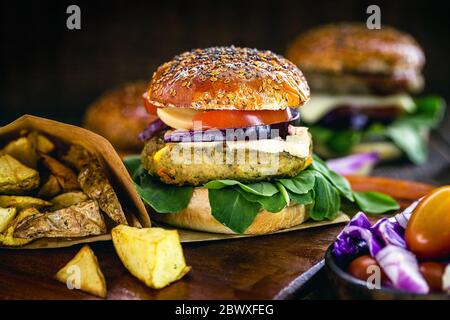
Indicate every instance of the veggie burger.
{"type": "Point", "coordinates": [362, 82]}
{"type": "Point", "coordinates": [227, 153]}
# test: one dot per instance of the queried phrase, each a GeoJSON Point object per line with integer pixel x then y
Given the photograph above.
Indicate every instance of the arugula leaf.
{"type": "Point", "coordinates": [232, 209]}
{"type": "Point", "coordinates": [337, 180]}
{"type": "Point", "coordinates": [162, 197]}
{"type": "Point", "coordinates": [259, 188]}
{"type": "Point", "coordinates": [305, 198]}
{"type": "Point", "coordinates": [410, 140]}
{"type": "Point", "coordinates": [299, 184]}
{"type": "Point", "coordinates": [274, 203]}
{"type": "Point", "coordinates": [326, 199]}
{"type": "Point", "coordinates": [375, 202]}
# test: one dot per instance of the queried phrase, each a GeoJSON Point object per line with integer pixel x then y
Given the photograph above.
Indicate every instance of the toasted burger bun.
{"type": "Point", "coordinates": [119, 115]}
{"type": "Point", "coordinates": [197, 216]}
{"type": "Point", "coordinates": [228, 78]}
{"type": "Point", "coordinates": [353, 48]}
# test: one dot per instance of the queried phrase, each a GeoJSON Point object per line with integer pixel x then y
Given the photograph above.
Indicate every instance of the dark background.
{"type": "Point", "coordinates": [48, 70]}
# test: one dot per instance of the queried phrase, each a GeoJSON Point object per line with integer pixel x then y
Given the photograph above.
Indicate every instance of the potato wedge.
{"type": "Point", "coordinates": [41, 143]}
{"type": "Point", "coordinates": [8, 238]}
{"type": "Point", "coordinates": [67, 199]}
{"type": "Point", "coordinates": [6, 216]}
{"type": "Point", "coordinates": [15, 178]}
{"type": "Point", "coordinates": [66, 177]}
{"type": "Point", "coordinates": [95, 184]}
{"type": "Point", "coordinates": [23, 151]}
{"type": "Point", "coordinates": [83, 219]}
{"type": "Point", "coordinates": [77, 157]}
{"type": "Point", "coordinates": [49, 188]}
{"type": "Point", "coordinates": [153, 255]}
{"type": "Point", "coordinates": [23, 202]}
{"type": "Point", "coordinates": [83, 272]}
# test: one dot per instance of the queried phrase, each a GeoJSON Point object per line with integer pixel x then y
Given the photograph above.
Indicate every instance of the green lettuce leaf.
{"type": "Point", "coordinates": [326, 199]}
{"type": "Point", "coordinates": [232, 209]}
{"type": "Point", "coordinates": [259, 188]}
{"type": "Point", "coordinates": [375, 202]}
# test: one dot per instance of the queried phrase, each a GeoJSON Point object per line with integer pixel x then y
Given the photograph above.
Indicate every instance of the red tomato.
{"type": "Point", "coordinates": [433, 273]}
{"type": "Point", "coordinates": [428, 230]}
{"type": "Point", "coordinates": [148, 106]}
{"type": "Point", "coordinates": [359, 268]}
{"type": "Point", "coordinates": [223, 119]}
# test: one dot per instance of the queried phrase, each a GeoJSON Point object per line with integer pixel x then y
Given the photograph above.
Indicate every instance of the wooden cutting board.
{"type": "Point", "coordinates": [266, 267]}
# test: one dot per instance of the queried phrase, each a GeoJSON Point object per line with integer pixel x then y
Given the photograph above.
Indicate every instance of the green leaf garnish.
{"type": "Point", "coordinates": [375, 202]}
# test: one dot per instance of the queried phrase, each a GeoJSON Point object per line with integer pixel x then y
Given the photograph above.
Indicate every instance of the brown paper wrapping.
{"type": "Point", "coordinates": [117, 173]}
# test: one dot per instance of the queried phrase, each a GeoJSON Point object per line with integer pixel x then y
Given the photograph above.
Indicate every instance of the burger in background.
{"type": "Point", "coordinates": [362, 81]}
{"type": "Point", "coordinates": [119, 115]}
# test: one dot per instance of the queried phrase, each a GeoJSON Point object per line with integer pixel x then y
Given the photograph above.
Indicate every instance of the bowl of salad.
{"type": "Point", "coordinates": [406, 256]}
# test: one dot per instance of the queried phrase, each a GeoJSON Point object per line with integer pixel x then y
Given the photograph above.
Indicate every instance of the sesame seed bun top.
{"type": "Point", "coordinates": [228, 78]}
{"type": "Point", "coordinates": [352, 47]}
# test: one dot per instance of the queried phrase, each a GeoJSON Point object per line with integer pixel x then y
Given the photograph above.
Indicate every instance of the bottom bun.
{"type": "Point", "coordinates": [197, 216]}
{"type": "Point", "coordinates": [387, 151]}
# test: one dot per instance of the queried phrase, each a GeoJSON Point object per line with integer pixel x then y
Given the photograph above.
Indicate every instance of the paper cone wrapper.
{"type": "Point", "coordinates": [119, 178]}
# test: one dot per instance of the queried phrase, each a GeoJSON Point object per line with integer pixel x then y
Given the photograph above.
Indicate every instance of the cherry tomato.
{"type": "Point", "coordinates": [359, 268]}
{"type": "Point", "coordinates": [223, 119]}
{"type": "Point", "coordinates": [148, 106]}
{"type": "Point", "coordinates": [433, 273]}
{"type": "Point", "coordinates": [428, 230]}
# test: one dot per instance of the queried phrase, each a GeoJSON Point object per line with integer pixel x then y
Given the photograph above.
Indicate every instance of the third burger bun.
{"type": "Point", "coordinates": [228, 78]}
{"type": "Point", "coordinates": [352, 47]}
{"type": "Point", "coordinates": [119, 115]}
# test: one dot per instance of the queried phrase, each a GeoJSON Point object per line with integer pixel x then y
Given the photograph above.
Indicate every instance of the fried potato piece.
{"type": "Point", "coordinates": [41, 143]}
{"type": "Point", "coordinates": [67, 179]}
{"type": "Point", "coordinates": [6, 216]}
{"type": "Point", "coordinates": [83, 272]}
{"type": "Point", "coordinates": [95, 184]}
{"type": "Point", "coordinates": [22, 150]}
{"type": "Point", "coordinates": [67, 199]}
{"type": "Point", "coordinates": [77, 157]}
{"type": "Point", "coordinates": [83, 219]}
{"type": "Point", "coordinates": [50, 188]}
{"type": "Point", "coordinates": [15, 178]}
{"type": "Point", "coordinates": [23, 202]}
{"type": "Point", "coordinates": [8, 238]}
{"type": "Point", "coordinates": [153, 255]}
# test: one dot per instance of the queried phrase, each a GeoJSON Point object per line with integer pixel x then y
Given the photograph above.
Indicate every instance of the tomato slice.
{"type": "Point", "coordinates": [223, 119]}
{"type": "Point", "coordinates": [148, 106]}
{"type": "Point", "coordinates": [428, 230]}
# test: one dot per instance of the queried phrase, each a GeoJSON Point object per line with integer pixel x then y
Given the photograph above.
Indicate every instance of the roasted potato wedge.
{"type": "Point", "coordinates": [41, 143]}
{"type": "Point", "coordinates": [153, 255]}
{"type": "Point", "coordinates": [23, 151]}
{"type": "Point", "coordinates": [6, 216]}
{"type": "Point", "coordinates": [49, 188]}
{"type": "Point", "coordinates": [8, 238]}
{"type": "Point", "coordinates": [83, 272]}
{"type": "Point", "coordinates": [23, 202]}
{"type": "Point", "coordinates": [16, 178]}
{"type": "Point", "coordinates": [95, 184]}
{"type": "Point", "coordinates": [66, 177]}
{"type": "Point", "coordinates": [67, 199]}
{"type": "Point", "coordinates": [77, 157]}
{"type": "Point", "coordinates": [80, 220]}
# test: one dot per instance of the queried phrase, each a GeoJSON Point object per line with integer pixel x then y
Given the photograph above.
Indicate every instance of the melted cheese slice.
{"type": "Point", "coordinates": [320, 104]}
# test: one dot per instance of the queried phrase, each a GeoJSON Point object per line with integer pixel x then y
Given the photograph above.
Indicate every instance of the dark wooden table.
{"type": "Point", "coordinates": [267, 267]}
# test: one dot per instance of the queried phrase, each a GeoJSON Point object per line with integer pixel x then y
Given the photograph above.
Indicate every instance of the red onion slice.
{"type": "Point", "coordinates": [402, 269]}
{"type": "Point", "coordinates": [151, 129]}
{"type": "Point", "coordinates": [361, 163]}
